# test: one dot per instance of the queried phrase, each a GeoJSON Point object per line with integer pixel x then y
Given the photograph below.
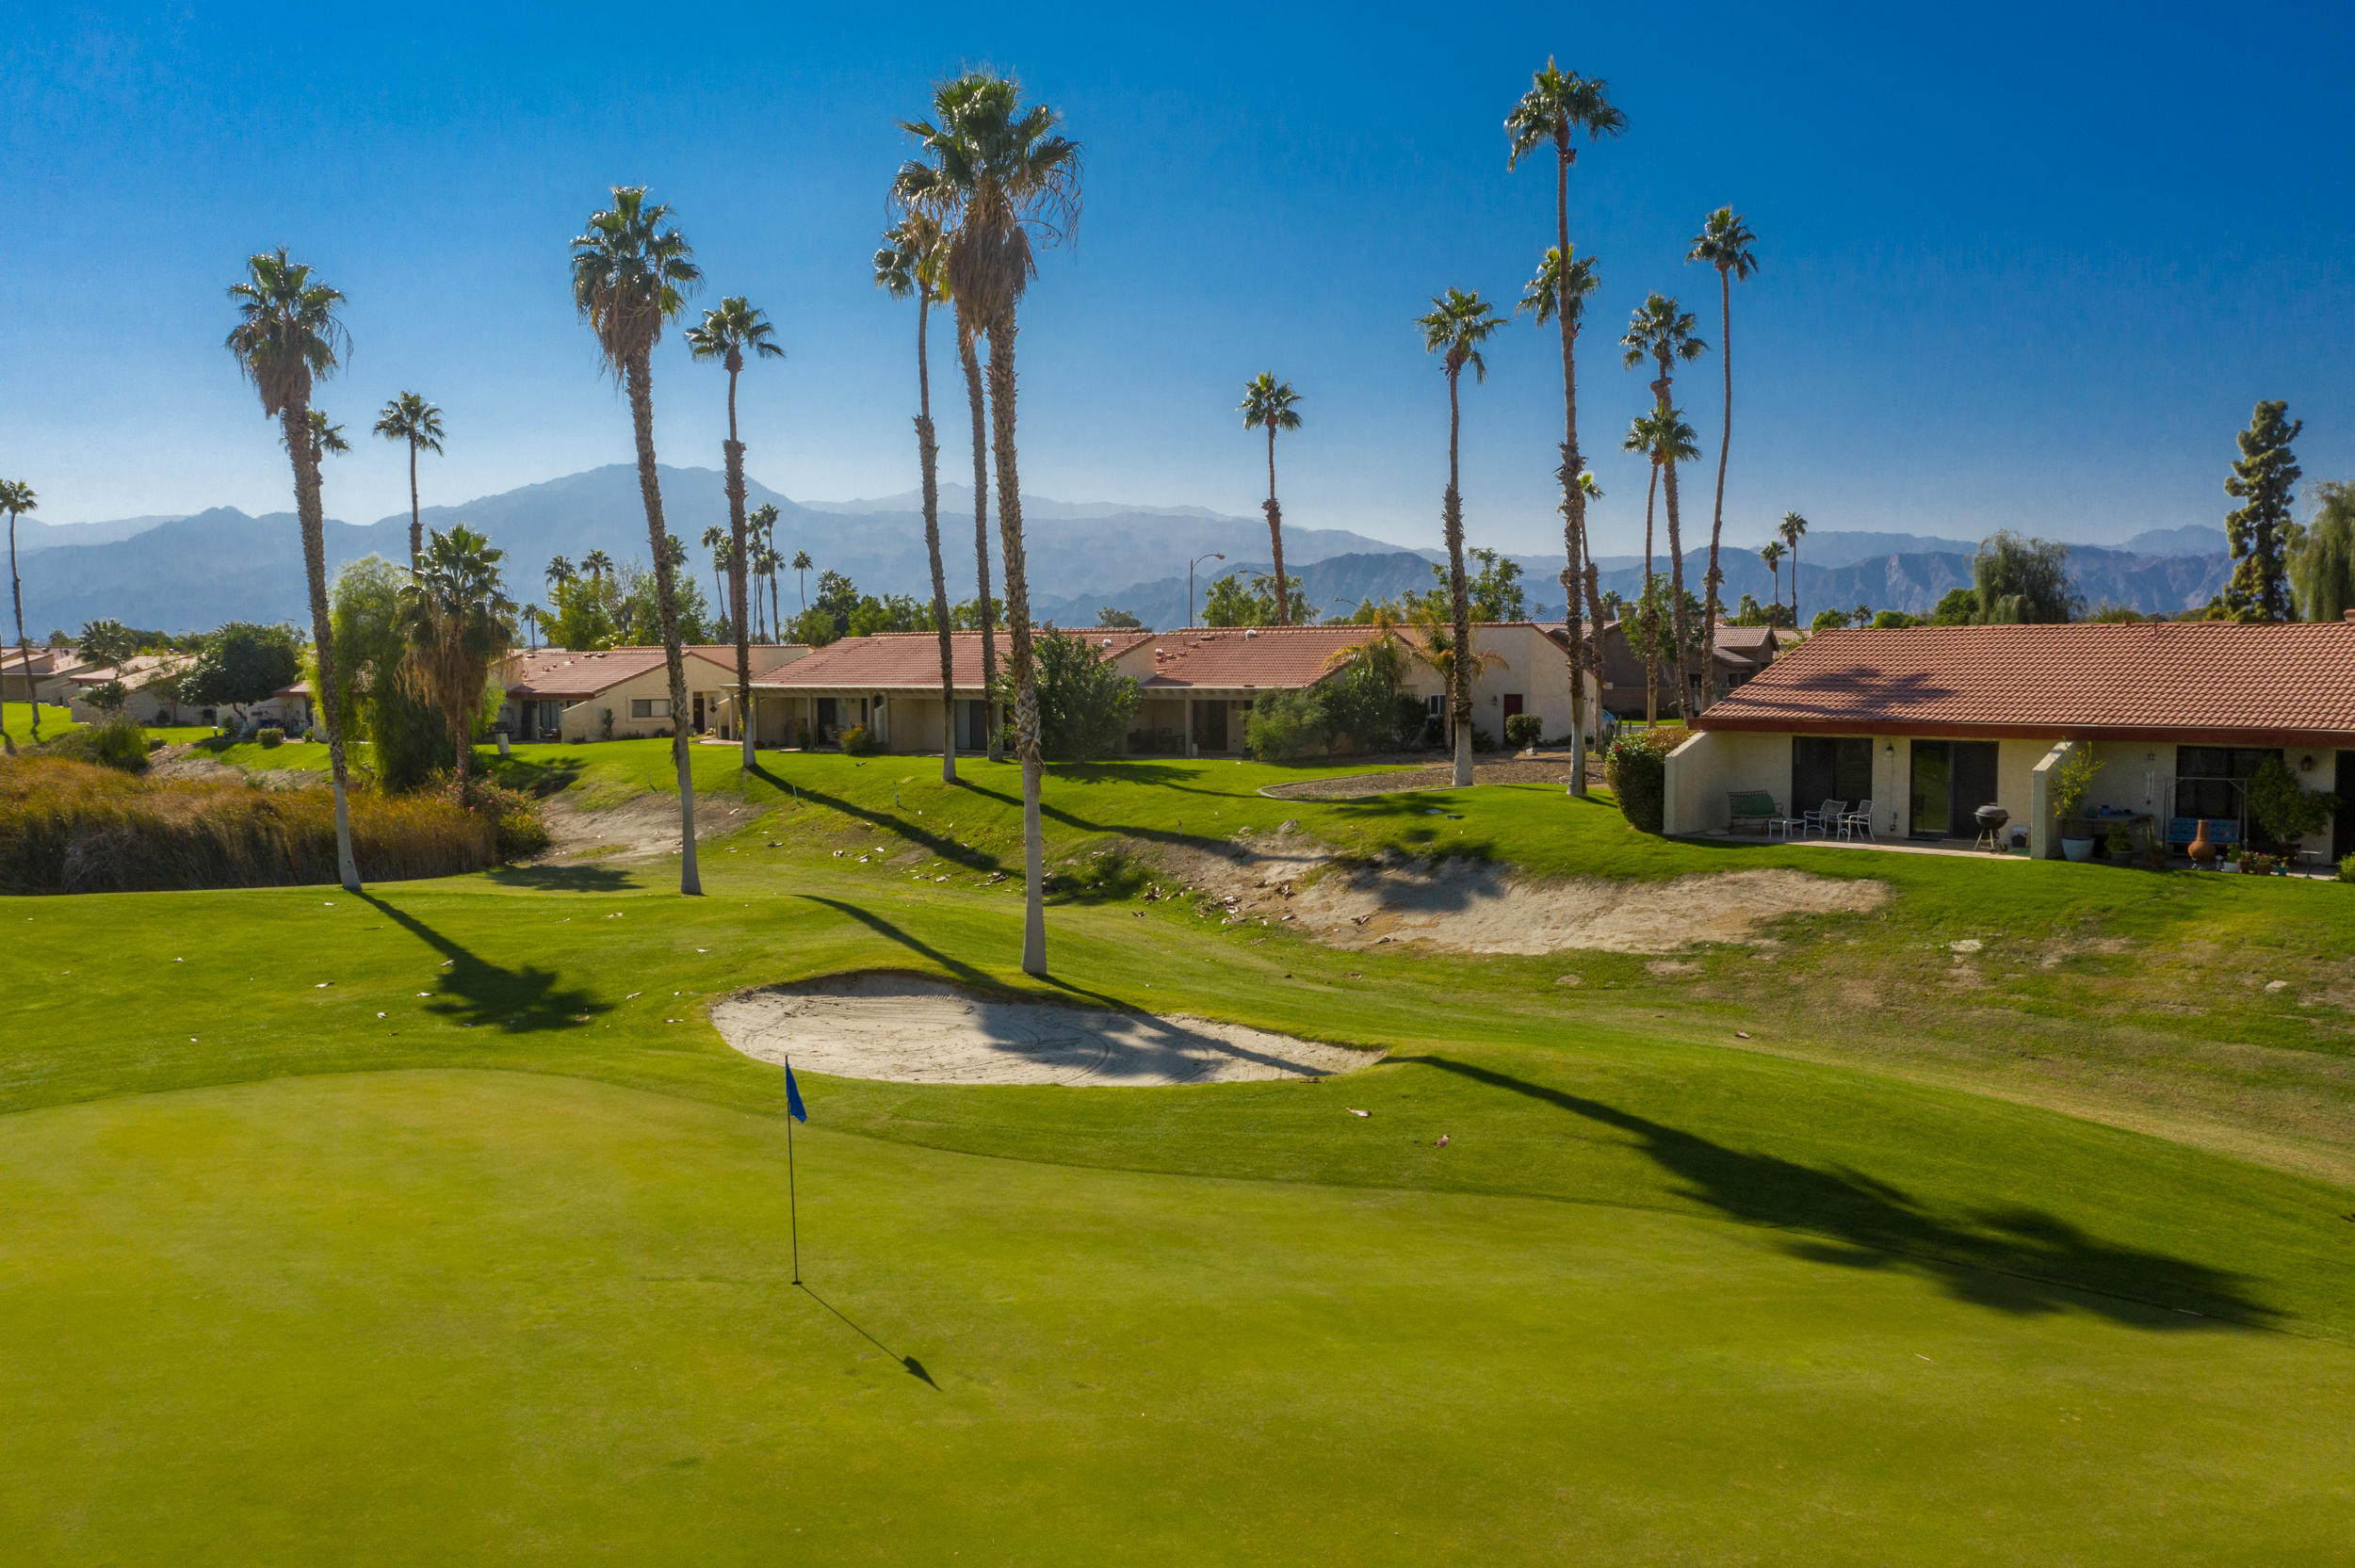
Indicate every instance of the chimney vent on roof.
{"type": "Point", "coordinates": [2349, 615]}
{"type": "Point", "coordinates": [1251, 631]}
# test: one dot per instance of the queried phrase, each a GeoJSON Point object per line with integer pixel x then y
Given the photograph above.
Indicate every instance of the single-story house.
{"type": "Point", "coordinates": [288, 707]}
{"type": "Point", "coordinates": [1928, 723]}
{"type": "Point", "coordinates": [1195, 686]}
{"type": "Point", "coordinates": [621, 693]}
{"type": "Point", "coordinates": [1740, 653]}
{"type": "Point", "coordinates": [147, 695]}
{"type": "Point", "coordinates": [46, 682]}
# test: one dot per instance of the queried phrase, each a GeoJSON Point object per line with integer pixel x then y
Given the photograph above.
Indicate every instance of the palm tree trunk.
{"type": "Point", "coordinates": [734, 597]}
{"type": "Point", "coordinates": [776, 623]}
{"type": "Point", "coordinates": [1020, 671]}
{"type": "Point", "coordinates": [639, 375]}
{"type": "Point", "coordinates": [1648, 613]}
{"type": "Point", "coordinates": [927, 460]}
{"type": "Point", "coordinates": [1717, 518]}
{"type": "Point", "coordinates": [1452, 516]}
{"type": "Point", "coordinates": [1573, 494]}
{"type": "Point", "coordinates": [1677, 619]}
{"type": "Point", "coordinates": [1275, 534]}
{"type": "Point", "coordinates": [16, 588]}
{"type": "Point", "coordinates": [311, 517]}
{"type": "Point", "coordinates": [981, 527]}
{"type": "Point", "coordinates": [416, 519]}
{"type": "Point", "coordinates": [1794, 583]}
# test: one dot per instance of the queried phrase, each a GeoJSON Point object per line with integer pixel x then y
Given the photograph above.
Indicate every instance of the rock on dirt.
{"type": "Point", "coordinates": [1462, 904]}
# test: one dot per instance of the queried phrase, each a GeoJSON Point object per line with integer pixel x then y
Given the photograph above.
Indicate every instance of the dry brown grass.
{"type": "Point", "coordinates": [71, 827]}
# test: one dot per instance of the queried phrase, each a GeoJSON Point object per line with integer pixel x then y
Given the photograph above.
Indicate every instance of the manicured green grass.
{"type": "Point", "coordinates": [291, 1270]}
{"type": "Point", "coordinates": [18, 722]}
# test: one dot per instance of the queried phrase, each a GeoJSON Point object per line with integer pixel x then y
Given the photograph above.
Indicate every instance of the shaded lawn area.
{"type": "Point", "coordinates": [18, 722]}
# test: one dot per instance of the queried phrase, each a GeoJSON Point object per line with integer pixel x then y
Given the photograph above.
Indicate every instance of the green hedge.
{"type": "Point", "coordinates": [1636, 769]}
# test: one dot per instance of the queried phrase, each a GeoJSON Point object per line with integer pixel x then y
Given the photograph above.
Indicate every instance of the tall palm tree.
{"type": "Point", "coordinates": [761, 531]}
{"type": "Point", "coordinates": [766, 561]}
{"type": "Point", "coordinates": [727, 334]}
{"type": "Point", "coordinates": [411, 419]}
{"type": "Point", "coordinates": [1270, 404]}
{"type": "Point", "coordinates": [1772, 556]}
{"type": "Point", "coordinates": [999, 176]}
{"type": "Point", "coordinates": [1724, 243]}
{"type": "Point", "coordinates": [531, 614]}
{"type": "Point", "coordinates": [801, 566]}
{"type": "Point", "coordinates": [716, 541]}
{"type": "Point", "coordinates": [453, 617]}
{"type": "Point", "coordinates": [288, 337]}
{"type": "Point", "coordinates": [1457, 325]}
{"type": "Point", "coordinates": [1666, 440]}
{"type": "Point", "coordinates": [1660, 330]}
{"type": "Point", "coordinates": [1558, 105]}
{"type": "Point", "coordinates": [1554, 290]}
{"type": "Point", "coordinates": [1794, 529]}
{"type": "Point", "coordinates": [631, 277]}
{"type": "Point", "coordinates": [559, 572]}
{"type": "Point", "coordinates": [909, 264]}
{"type": "Point", "coordinates": [16, 498]}
{"type": "Point", "coordinates": [597, 564]}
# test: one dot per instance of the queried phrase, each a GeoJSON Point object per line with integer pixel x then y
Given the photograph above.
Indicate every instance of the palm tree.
{"type": "Point", "coordinates": [1434, 646]}
{"type": "Point", "coordinates": [531, 614]}
{"type": "Point", "coordinates": [1793, 529]}
{"type": "Point", "coordinates": [998, 176]}
{"type": "Point", "coordinates": [559, 572]}
{"type": "Point", "coordinates": [716, 541]}
{"type": "Point", "coordinates": [908, 263]}
{"type": "Point", "coordinates": [326, 439]}
{"type": "Point", "coordinates": [288, 337]}
{"type": "Point", "coordinates": [1268, 404]}
{"type": "Point", "coordinates": [764, 562]}
{"type": "Point", "coordinates": [630, 276]}
{"type": "Point", "coordinates": [1662, 332]}
{"type": "Point", "coordinates": [1556, 108]}
{"type": "Point", "coordinates": [597, 564]}
{"type": "Point", "coordinates": [727, 334]}
{"type": "Point", "coordinates": [1666, 439]}
{"type": "Point", "coordinates": [801, 566]}
{"type": "Point", "coordinates": [453, 616]}
{"type": "Point", "coordinates": [16, 498]}
{"type": "Point", "coordinates": [1554, 291]}
{"type": "Point", "coordinates": [411, 418]}
{"type": "Point", "coordinates": [1772, 556]}
{"type": "Point", "coordinates": [1457, 325]}
{"type": "Point", "coordinates": [1724, 243]}
{"type": "Point", "coordinates": [762, 529]}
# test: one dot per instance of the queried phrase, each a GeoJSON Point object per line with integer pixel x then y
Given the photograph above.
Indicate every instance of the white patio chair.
{"type": "Point", "coordinates": [1856, 821]}
{"type": "Point", "coordinates": [1823, 818]}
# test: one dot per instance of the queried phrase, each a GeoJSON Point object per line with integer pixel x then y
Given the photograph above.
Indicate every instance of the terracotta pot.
{"type": "Point", "coordinates": [2203, 849]}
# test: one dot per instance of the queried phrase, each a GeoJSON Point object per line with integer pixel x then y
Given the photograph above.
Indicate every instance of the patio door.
{"type": "Point", "coordinates": [1970, 786]}
{"type": "Point", "coordinates": [1829, 767]}
{"type": "Point", "coordinates": [2343, 826]}
{"type": "Point", "coordinates": [1932, 806]}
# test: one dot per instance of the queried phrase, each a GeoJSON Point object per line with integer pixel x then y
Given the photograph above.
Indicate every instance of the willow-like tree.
{"type": "Point", "coordinates": [410, 419]}
{"type": "Point", "coordinates": [909, 264]}
{"type": "Point", "coordinates": [728, 335]}
{"type": "Point", "coordinates": [1456, 326]}
{"type": "Point", "coordinates": [2263, 480]}
{"type": "Point", "coordinates": [631, 276]}
{"type": "Point", "coordinates": [17, 499]}
{"type": "Point", "coordinates": [2323, 571]}
{"type": "Point", "coordinates": [288, 337]}
{"type": "Point", "coordinates": [1664, 333]}
{"type": "Point", "coordinates": [1002, 182]}
{"type": "Point", "coordinates": [453, 617]}
{"type": "Point", "coordinates": [1792, 529]}
{"type": "Point", "coordinates": [1557, 108]}
{"type": "Point", "coordinates": [1724, 243]}
{"type": "Point", "coordinates": [1272, 405]}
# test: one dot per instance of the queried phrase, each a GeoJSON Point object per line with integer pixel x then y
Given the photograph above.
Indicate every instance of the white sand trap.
{"type": "Point", "coordinates": [909, 1029]}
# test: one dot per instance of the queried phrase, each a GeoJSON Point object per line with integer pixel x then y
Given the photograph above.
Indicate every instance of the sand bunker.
{"type": "Point", "coordinates": [637, 827]}
{"type": "Point", "coordinates": [909, 1029]}
{"type": "Point", "coordinates": [1466, 905]}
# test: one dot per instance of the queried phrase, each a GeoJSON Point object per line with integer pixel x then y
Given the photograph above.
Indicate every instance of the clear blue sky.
{"type": "Point", "coordinates": [2025, 268]}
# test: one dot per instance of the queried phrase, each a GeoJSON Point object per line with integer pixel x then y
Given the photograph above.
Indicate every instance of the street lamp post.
{"type": "Point", "coordinates": [1198, 560]}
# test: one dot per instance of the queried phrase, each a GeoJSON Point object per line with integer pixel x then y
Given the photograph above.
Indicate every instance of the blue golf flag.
{"type": "Point", "coordinates": [793, 1105]}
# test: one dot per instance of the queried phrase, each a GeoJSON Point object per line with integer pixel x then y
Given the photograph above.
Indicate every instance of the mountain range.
{"type": "Point", "coordinates": [192, 572]}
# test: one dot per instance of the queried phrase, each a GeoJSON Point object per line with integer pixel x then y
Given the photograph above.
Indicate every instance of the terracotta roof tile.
{"type": "Point", "coordinates": [1234, 658]}
{"type": "Point", "coordinates": [2216, 680]}
{"type": "Point", "coordinates": [558, 672]}
{"type": "Point", "coordinates": [908, 661]}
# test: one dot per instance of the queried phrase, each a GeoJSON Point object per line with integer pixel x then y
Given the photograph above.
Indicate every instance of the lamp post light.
{"type": "Point", "coordinates": [1198, 560]}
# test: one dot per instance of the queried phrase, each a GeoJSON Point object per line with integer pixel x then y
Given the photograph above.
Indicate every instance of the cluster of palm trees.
{"type": "Point", "coordinates": [1785, 542]}
{"type": "Point", "coordinates": [17, 499]}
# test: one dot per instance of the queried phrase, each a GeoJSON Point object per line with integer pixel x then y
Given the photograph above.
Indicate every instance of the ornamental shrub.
{"type": "Point", "coordinates": [859, 741]}
{"type": "Point", "coordinates": [119, 742]}
{"type": "Point", "coordinates": [1636, 768]}
{"type": "Point", "coordinates": [270, 735]}
{"type": "Point", "coordinates": [2284, 810]}
{"type": "Point", "coordinates": [1523, 730]}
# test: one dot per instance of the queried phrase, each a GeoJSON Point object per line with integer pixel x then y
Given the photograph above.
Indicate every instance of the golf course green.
{"type": "Point", "coordinates": [2006, 1221]}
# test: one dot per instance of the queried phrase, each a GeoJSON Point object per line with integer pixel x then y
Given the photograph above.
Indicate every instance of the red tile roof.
{"type": "Point", "coordinates": [909, 661]}
{"type": "Point", "coordinates": [2216, 681]}
{"type": "Point", "coordinates": [559, 672]}
{"type": "Point", "coordinates": [1237, 659]}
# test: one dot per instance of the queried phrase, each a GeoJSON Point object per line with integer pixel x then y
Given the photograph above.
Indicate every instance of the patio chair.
{"type": "Point", "coordinates": [1823, 818]}
{"type": "Point", "coordinates": [1859, 820]}
{"type": "Point", "coordinates": [1749, 808]}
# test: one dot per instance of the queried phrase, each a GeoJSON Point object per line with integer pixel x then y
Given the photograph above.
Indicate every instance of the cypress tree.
{"type": "Point", "coordinates": [2260, 530]}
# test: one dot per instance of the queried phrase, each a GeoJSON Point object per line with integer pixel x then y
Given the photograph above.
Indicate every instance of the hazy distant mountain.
{"type": "Point", "coordinates": [1333, 585]}
{"type": "Point", "coordinates": [2195, 539]}
{"type": "Point", "coordinates": [957, 500]}
{"type": "Point", "coordinates": [33, 534]}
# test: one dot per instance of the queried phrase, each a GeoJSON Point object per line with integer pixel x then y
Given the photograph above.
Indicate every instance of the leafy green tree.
{"type": "Point", "coordinates": [2323, 571]}
{"type": "Point", "coordinates": [1495, 590]}
{"type": "Point", "coordinates": [2287, 812]}
{"type": "Point", "coordinates": [287, 336]}
{"type": "Point", "coordinates": [17, 497]}
{"type": "Point", "coordinates": [815, 627]}
{"type": "Point", "coordinates": [1724, 243]}
{"type": "Point", "coordinates": [1084, 703]}
{"type": "Point", "coordinates": [1558, 107]}
{"type": "Point", "coordinates": [1118, 620]}
{"type": "Point", "coordinates": [1831, 621]}
{"type": "Point", "coordinates": [631, 277]}
{"type": "Point", "coordinates": [585, 614]}
{"type": "Point", "coordinates": [408, 742]}
{"type": "Point", "coordinates": [242, 663]}
{"type": "Point", "coordinates": [893, 612]}
{"type": "Point", "coordinates": [1893, 619]}
{"type": "Point", "coordinates": [1458, 323]}
{"type": "Point", "coordinates": [1248, 599]}
{"type": "Point", "coordinates": [409, 418]}
{"type": "Point", "coordinates": [909, 264]}
{"type": "Point", "coordinates": [2263, 480]}
{"type": "Point", "coordinates": [1661, 330]}
{"type": "Point", "coordinates": [1957, 606]}
{"type": "Point", "coordinates": [454, 618]}
{"type": "Point", "coordinates": [1272, 405]}
{"type": "Point", "coordinates": [2021, 581]}
{"type": "Point", "coordinates": [727, 334]}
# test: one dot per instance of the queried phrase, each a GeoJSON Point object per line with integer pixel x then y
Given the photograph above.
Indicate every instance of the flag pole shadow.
{"type": "Point", "coordinates": [913, 1367]}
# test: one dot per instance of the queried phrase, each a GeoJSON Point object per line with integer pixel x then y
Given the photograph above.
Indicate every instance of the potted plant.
{"type": "Point", "coordinates": [2119, 845]}
{"type": "Point", "coordinates": [2072, 780]}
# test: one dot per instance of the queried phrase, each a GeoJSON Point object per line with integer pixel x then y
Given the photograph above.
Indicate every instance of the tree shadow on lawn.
{"type": "Point", "coordinates": [945, 848]}
{"type": "Point", "coordinates": [563, 878]}
{"type": "Point", "coordinates": [475, 991]}
{"type": "Point", "coordinates": [2017, 1260]}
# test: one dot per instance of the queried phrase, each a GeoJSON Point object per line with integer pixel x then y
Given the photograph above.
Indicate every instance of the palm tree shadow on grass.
{"type": "Point", "coordinates": [2017, 1260]}
{"type": "Point", "coordinates": [475, 991]}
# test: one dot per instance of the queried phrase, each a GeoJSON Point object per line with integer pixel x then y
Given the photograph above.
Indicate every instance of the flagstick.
{"type": "Point", "coordinates": [792, 1196]}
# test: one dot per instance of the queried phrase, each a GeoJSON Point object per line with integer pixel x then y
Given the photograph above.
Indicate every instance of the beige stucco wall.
{"type": "Point", "coordinates": [1714, 762]}
{"type": "Point", "coordinates": [584, 721]}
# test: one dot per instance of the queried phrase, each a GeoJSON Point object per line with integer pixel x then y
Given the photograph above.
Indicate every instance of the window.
{"type": "Point", "coordinates": [2209, 779]}
{"type": "Point", "coordinates": [650, 707]}
{"type": "Point", "coordinates": [1826, 767]}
